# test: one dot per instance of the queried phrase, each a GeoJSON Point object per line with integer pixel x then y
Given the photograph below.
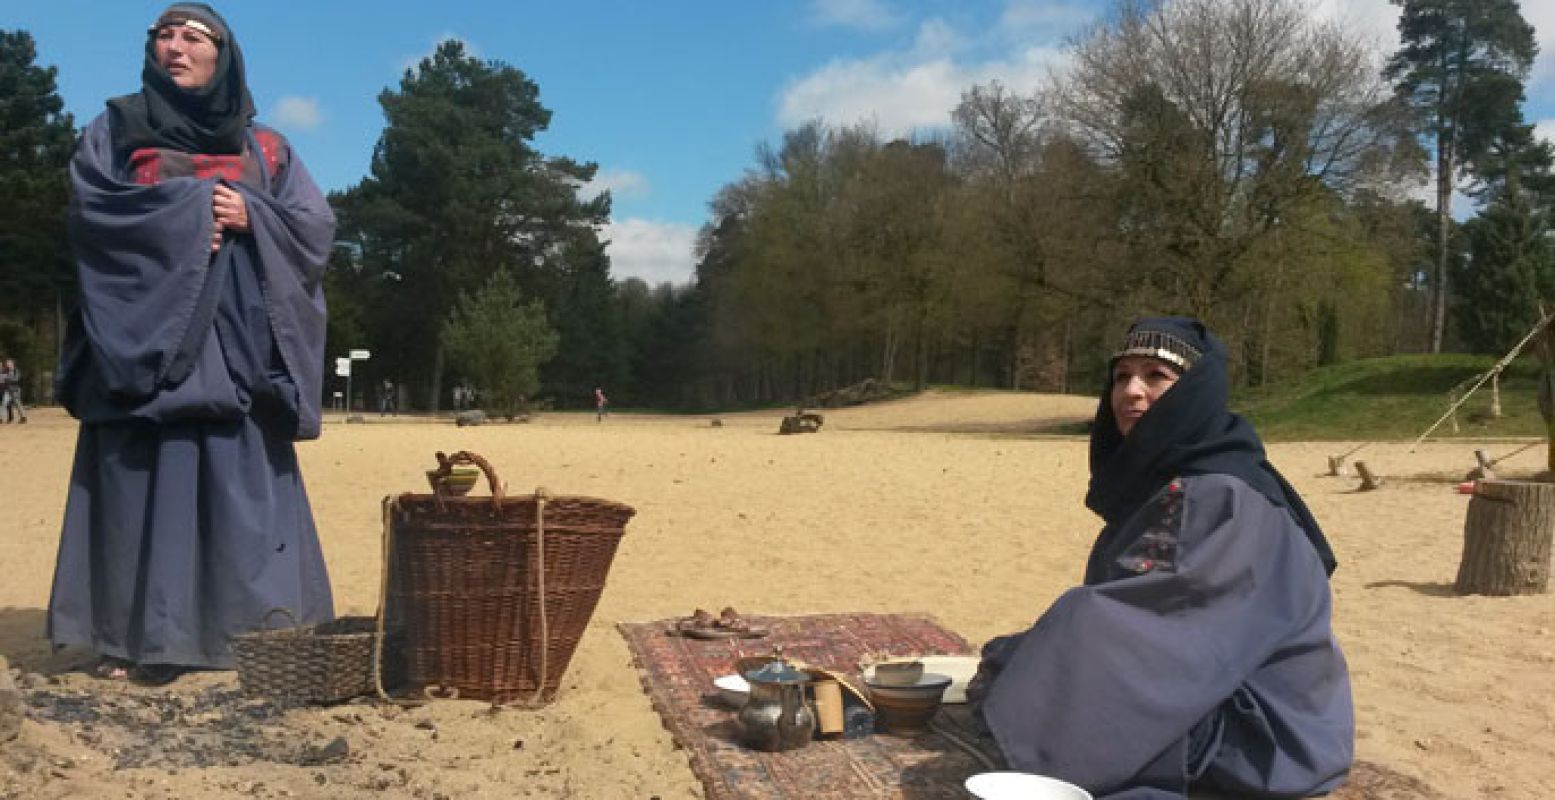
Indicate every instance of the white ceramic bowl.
{"type": "Point", "coordinates": [733, 690]}
{"type": "Point", "coordinates": [1022, 786]}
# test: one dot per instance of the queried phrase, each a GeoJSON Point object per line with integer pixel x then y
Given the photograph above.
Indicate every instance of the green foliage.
{"type": "Point", "coordinates": [36, 139]}
{"type": "Point", "coordinates": [458, 193]}
{"type": "Point", "coordinates": [1510, 269]}
{"type": "Point", "coordinates": [1393, 398]}
{"type": "Point", "coordinates": [500, 342]}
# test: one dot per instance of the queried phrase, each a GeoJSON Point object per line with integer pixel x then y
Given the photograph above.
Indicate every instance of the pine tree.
{"type": "Point", "coordinates": [1461, 66]}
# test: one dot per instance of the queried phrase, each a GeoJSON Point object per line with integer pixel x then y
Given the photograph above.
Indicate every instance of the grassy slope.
{"type": "Point", "coordinates": [1394, 398]}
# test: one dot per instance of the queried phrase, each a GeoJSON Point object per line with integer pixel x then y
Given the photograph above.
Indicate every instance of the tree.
{"type": "Point", "coordinates": [1460, 66]}
{"type": "Point", "coordinates": [458, 192]}
{"type": "Point", "coordinates": [1221, 122]}
{"type": "Point", "coordinates": [36, 140]}
{"type": "Point", "coordinates": [500, 342]}
{"type": "Point", "coordinates": [1510, 267]}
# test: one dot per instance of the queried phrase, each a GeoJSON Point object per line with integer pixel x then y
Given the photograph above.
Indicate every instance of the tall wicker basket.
{"type": "Point", "coordinates": [492, 594]}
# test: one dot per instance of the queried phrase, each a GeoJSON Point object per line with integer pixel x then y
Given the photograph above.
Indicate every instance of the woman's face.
{"type": "Point", "coordinates": [1137, 382]}
{"type": "Point", "coordinates": [188, 55]}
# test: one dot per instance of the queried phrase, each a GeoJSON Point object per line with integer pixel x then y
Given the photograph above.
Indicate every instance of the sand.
{"type": "Point", "coordinates": [941, 503]}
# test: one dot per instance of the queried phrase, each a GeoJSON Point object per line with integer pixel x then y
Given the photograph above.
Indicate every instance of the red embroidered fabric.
{"type": "Point", "coordinates": [149, 166]}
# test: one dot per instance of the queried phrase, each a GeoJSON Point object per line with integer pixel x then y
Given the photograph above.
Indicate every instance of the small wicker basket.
{"type": "Point", "coordinates": [324, 663]}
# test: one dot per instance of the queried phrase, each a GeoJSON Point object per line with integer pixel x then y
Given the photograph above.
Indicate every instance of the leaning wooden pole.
{"type": "Point", "coordinates": [1546, 353]}
{"type": "Point", "coordinates": [1507, 538]}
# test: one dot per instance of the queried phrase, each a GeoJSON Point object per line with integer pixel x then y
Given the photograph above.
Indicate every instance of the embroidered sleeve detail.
{"type": "Point", "coordinates": [1156, 549]}
{"type": "Point", "coordinates": [270, 150]}
{"type": "Point", "coordinates": [146, 166]}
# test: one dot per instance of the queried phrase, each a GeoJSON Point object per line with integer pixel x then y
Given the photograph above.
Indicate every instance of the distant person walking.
{"type": "Point", "coordinates": [386, 398]}
{"type": "Point", "coordinates": [11, 387]}
{"type": "Point", "coordinates": [600, 402]}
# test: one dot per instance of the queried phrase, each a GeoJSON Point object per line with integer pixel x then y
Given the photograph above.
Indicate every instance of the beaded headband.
{"type": "Point", "coordinates": [1159, 345]}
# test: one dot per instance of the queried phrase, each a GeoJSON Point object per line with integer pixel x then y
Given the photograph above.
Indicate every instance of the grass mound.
{"type": "Point", "coordinates": [1397, 397]}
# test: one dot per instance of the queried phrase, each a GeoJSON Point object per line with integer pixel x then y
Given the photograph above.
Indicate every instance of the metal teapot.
{"type": "Point", "coordinates": [776, 717]}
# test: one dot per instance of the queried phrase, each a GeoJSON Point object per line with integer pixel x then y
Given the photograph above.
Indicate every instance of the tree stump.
{"type": "Point", "coordinates": [1506, 539]}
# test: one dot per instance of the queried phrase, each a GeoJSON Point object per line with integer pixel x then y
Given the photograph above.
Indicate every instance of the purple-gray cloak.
{"type": "Point", "coordinates": [192, 375]}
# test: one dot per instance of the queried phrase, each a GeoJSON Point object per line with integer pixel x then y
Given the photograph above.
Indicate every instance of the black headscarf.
{"type": "Point", "coordinates": [209, 120]}
{"type": "Point", "coordinates": [1188, 431]}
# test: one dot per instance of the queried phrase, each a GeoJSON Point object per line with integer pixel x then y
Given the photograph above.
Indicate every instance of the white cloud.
{"type": "Point", "coordinates": [1376, 23]}
{"type": "Point", "coordinates": [900, 92]}
{"type": "Point", "coordinates": [936, 37]}
{"type": "Point", "coordinates": [656, 252]}
{"type": "Point", "coordinates": [869, 15]}
{"type": "Point", "coordinates": [1545, 129]}
{"type": "Point", "coordinates": [621, 183]}
{"type": "Point", "coordinates": [1044, 16]}
{"type": "Point", "coordinates": [1541, 15]}
{"type": "Point", "coordinates": [298, 113]}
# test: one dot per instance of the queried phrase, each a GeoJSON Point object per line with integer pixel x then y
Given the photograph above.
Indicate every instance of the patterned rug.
{"type": "Point", "coordinates": [678, 674]}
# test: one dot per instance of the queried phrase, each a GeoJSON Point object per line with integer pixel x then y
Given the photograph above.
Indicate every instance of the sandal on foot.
{"type": "Point", "coordinates": [111, 668]}
{"type": "Point", "coordinates": [156, 674]}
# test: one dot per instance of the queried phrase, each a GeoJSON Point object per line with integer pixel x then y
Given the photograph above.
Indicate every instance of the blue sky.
{"type": "Point", "coordinates": [670, 98]}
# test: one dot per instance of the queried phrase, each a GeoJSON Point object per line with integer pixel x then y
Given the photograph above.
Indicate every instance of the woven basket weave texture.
{"type": "Point", "coordinates": [464, 589]}
{"type": "Point", "coordinates": [324, 663]}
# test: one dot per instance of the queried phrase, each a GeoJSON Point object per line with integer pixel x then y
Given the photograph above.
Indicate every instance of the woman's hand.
{"type": "Point", "coordinates": [230, 209]}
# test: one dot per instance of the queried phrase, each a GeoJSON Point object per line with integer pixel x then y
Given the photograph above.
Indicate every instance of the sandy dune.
{"type": "Point", "coordinates": [935, 504]}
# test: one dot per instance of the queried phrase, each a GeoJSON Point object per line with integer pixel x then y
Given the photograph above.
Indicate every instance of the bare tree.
{"type": "Point", "coordinates": [1222, 118]}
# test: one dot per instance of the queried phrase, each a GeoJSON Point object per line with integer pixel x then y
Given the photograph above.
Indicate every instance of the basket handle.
{"type": "Point", "coordinates": [446, 464]}
{"type": "Point", "coordinates": [264, 622]}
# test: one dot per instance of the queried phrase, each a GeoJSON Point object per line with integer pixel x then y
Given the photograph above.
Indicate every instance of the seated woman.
{"type": "Point", "coordinates": [1199, 652]}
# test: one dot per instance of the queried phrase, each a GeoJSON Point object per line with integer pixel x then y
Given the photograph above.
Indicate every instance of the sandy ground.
{"type": "Point", "coordinates": [935, 504]}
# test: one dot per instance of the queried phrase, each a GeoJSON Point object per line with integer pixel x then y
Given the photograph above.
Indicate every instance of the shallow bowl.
{"type": "Point", "coordinates": [906, 710]}
{"type": "Point", "coordinates": [457, 482]}
{"type": "Point", "coordinates": [896, 673]}
{"type": "Point", "coordinates": [1022, 786]}
{"type": "Point", "coordinates": [733, 690]}
{"type": "Point", "coordinates": [960, 669]}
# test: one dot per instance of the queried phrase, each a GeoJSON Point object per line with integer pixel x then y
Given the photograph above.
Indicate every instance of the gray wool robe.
{"type": "Point", "coordinates": [1199, 653]}
{"type": "Point", "coordinates": [192, 374]}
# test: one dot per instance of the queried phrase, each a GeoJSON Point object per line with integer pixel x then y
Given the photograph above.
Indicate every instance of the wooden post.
{"type": "Point", "coordinates": [1506, 539]}
{"type": "Point", "coordinates": [1486, 468]}
{"type": "Point", "coordinates": [1369, 479]}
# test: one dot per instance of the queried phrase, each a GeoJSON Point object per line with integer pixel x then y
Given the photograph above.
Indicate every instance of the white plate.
{"type": "Point", "coordinates": [1022, 786]}
{"type": "Point", "coordinates": [959, 669]}
{"type": "Point", "coordinates": [733, 690]}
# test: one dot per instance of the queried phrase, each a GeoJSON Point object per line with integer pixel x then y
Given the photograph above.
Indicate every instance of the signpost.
{"type": "Point", "coordinates": [343, 369]}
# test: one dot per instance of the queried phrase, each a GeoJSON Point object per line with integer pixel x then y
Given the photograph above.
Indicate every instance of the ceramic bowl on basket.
{"type": "Point", "coordinates": [733, 690]}
{"type": "Point", "coordinates": [906, 710]}
{"type": "Point", "coordinates": [1022, 786]}
{"type": "Point", "coordinates": [458, 482]}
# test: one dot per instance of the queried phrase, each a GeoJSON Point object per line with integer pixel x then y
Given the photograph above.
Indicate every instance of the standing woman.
{"type": "Point", "coordinates": [194, 360]}
{"type": "Point", "coordinates": [1199, 653]}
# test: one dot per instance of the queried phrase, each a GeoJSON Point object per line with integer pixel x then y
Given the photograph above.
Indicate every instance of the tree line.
{"type": "Point", "coordinates": [1235, 160]}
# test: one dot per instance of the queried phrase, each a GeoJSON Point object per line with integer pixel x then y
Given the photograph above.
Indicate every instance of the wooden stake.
{"type": "Point", "coordinates": [1484, 471]}
{"type": "Point", "coordinates": [1369, 480]}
